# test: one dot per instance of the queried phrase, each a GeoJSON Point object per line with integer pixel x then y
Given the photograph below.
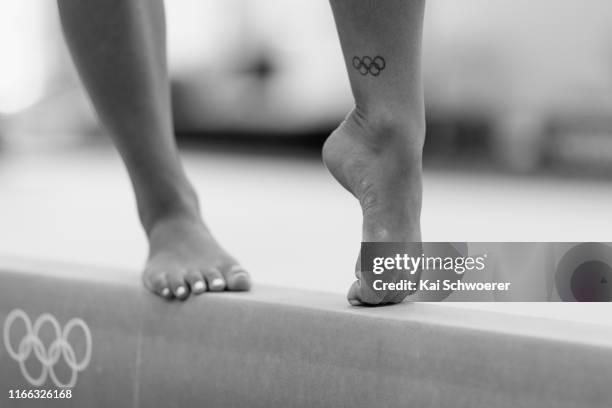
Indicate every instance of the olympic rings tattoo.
{"type": "Point", "coordinates": [60, 347]}
{"type": "Point", "coordinates": [368, 65]}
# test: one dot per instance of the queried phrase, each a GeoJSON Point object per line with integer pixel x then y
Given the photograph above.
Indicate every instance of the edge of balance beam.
{"type": "Point", "coordinates": [277, 347]}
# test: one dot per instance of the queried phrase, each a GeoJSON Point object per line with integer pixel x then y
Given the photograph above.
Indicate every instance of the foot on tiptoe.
{"type": "Point", "coordinates": [185, 258]}
{"type": "Point", "coordinates": [379, 162]}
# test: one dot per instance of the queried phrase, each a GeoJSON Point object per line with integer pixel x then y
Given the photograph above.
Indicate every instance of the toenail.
{"type": "Point", "coordinates": [165, 292]}
{"type": "Point", "coordinates": [180, 291]}
{"type": "Point", "coordinates": [238, 277]}
{"type": "Point", "coordinates": [354, 302]}
{"type": "Point", "coordinates": [199, 286]}
{"type": "Point", "coordinates": [217, 283]}
{"type": "Point", "coordinates": [235, 268]}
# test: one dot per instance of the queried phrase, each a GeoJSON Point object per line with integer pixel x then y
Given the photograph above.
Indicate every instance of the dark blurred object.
{"type": "Point", "coordinates": [579, 143]}
{"type": "Point", "coordinates": [521, 86]}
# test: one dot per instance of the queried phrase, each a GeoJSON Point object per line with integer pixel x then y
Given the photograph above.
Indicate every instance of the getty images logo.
{"type": "Point", "coordinates": [60, 347]}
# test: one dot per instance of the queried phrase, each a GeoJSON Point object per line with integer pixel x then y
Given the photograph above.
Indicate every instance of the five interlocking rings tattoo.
{"type": "Point", "coordinates": [368, 65]}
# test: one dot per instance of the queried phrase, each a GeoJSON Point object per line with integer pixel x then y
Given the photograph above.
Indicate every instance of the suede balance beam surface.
{"type": "Point", "coordinates": [113, 344]}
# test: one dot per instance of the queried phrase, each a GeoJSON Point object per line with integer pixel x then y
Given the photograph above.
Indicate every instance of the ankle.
{"type": "Point", "coordinates": [393, 130]}
{"type": "Point", "coordinates": [179, 205]}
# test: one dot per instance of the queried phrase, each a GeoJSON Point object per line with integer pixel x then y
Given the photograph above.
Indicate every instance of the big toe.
{"type": "Point", "coordinates": [353, 294]}
{"type": "Point", "coordinates": [237, 278]}
{"type": "Point", "coordinates": [359, 294]}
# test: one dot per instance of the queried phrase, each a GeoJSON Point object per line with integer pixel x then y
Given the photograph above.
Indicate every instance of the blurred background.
{"type": "Point", "coordinates": [519, 144]}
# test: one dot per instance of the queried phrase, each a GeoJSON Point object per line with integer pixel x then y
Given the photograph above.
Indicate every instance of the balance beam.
{"type": "Point", "coordinates": [277, 347]}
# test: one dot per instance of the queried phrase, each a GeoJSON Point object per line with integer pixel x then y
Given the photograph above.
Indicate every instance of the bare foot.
{"type": "Point", "coordinates": [185, 258]}
{"type": "Point", "coordinates": [379, 162]}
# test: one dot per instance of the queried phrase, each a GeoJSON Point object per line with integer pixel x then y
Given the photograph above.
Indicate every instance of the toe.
{"type": "Point", "coordinates": [196, 282]}
{"type": "Point", "coordinates": [157, 282]}
{"type": "Point", "coordinates": [178, 286]}
{"type": "Point", "coordinates": [353, 294]}
{"type": "Point", "coordinates": [399, 297]}
{"type": "Point", "coordinates": [237, 278]}
{"type": "Point", "coordinates": [214, 279]}
{"type": "Point", "coordinates": [359, 294]}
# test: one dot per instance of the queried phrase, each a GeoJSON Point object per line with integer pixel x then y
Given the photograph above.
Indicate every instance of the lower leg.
{"type": "Point", "coordinates": [119, 49]}
{"type": "Point", "coordinates": [376, 153]}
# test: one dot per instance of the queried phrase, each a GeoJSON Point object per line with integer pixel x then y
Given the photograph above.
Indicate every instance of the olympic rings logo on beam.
{"type": "Point", "coordinates": [60, 347]}
{"type": "Point", "coordinates": [368, 65]}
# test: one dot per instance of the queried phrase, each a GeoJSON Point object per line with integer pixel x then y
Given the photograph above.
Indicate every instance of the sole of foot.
{"type": "Point", "coordinates": [380, 163]}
